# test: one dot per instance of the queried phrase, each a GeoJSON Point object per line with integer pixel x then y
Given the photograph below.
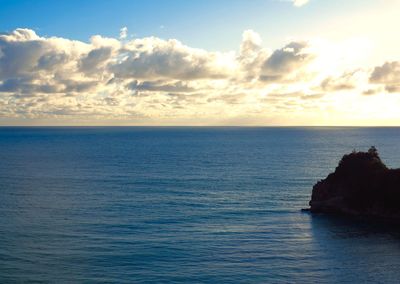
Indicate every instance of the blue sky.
{"type": "Point", "coordinates": [210, 24]}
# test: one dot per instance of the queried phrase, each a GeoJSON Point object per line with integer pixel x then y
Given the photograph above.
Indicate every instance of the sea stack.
{"type": "Point", "coordinates": [361, 186]}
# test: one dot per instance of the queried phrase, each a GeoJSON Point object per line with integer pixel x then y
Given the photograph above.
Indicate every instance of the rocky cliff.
{"type": "Point", "coordinates": [362, 186]}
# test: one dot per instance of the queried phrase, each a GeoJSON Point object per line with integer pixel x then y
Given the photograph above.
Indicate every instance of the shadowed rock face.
{"type": "Point", "coordinates": [362, 186]}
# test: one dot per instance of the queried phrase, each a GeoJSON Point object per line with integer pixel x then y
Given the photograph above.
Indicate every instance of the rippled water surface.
{"type": "Point", "coordinates": [193, 205]}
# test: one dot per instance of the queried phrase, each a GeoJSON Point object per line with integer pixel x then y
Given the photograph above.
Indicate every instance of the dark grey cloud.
{"type": "Point", "coordinates": [25, 85]}
{"type": "Point", "coordinates": [285, 61]}
{"type": "Point", "coordinates": [231, 99]}
{"type": "Point", "coordinates": [345, 82]}
{"type": "Point", "coordinates": [78, 86]}
{"type": "Point", "coordinates": [19, 58]}
{"type": "Point", "coordinates": [370, 92]}
{"type": "Point", "coordinates": [94, 58]}
{"type": "Point", "coordinates": [160, 86]}
{"type": "Point", "coordinates": [388, 75]}
{"type": "Point", "coordinates": [312, 96]}
{"type": "Point", "coordinates": [51, 61]}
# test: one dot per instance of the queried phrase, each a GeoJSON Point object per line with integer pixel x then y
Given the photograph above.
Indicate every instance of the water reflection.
{"type": "Point", "coordinates": [354, 250]}
{"type": "Point", "coordinates": [344, 227]}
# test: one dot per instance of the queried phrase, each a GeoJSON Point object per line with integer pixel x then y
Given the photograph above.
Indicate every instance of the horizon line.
{"type": "Point", "coordinates": [201, 126]}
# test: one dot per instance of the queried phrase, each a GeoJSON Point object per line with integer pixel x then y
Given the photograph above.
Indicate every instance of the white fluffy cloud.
{"type": "Point", "coordinates": [299, 3]}
{"type": "Point", "coordinates": [154, 58]}
{"type": "Point", "coordinates": [155, 80]}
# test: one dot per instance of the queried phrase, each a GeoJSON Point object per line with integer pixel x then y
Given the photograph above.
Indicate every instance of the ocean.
{"type": "Point", "coordinates": [184, 205]}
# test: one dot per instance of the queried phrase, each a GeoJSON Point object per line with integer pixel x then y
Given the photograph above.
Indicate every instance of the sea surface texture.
{"type": "Point", "coordinates": [185, 205]}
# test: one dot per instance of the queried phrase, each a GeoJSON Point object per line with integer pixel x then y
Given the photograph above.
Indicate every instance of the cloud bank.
{"type": "Point", "coordinates": [152, 80]}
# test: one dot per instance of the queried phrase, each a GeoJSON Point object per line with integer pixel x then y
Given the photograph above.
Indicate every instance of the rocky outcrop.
{"type": "Point", "coordinates": [360, 186]}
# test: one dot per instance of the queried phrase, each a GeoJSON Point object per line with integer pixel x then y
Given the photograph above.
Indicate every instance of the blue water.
{"type": "Point", "coordinates": [184, 205]}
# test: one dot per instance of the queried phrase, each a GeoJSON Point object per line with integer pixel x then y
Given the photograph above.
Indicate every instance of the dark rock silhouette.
{"type": "Point", "coordinates": [360, 186]}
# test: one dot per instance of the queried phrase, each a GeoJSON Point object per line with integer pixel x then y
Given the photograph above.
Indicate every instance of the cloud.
{"type": "Point", "coordinates": [387, 75]}
{"type": "Point", "coordinates": [312, 96]}
{"type": "Point", "coordinates": [154, 58]}
{"type": "Point", "coordinates": [251, 54]}
{"type": "Point", "coordinates": [299, 3]}
{"type": "Point", "coordinates": [161, 86]}
{"type": "Point", "coordinates": [94, 59]}
{"type": "Point", "coordinates": [123, 33]}
{"type": "Point", "coordinates": [370, 92]}
{"type": "Point", "coordinates": [251, 43]}
{"type": "Point", "coordinates": [152, 79]}
{"type": "Point", "coordinates": [346, 81]}
{"type": "Point", "coordinates": [286, 62]}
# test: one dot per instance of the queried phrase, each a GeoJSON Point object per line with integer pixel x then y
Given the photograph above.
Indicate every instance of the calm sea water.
{"type": "Point", "coordinates": [184, 205]}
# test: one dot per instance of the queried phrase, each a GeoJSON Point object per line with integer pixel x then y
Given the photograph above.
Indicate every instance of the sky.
{"type": "Point", "coordinates": [179, 62]}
